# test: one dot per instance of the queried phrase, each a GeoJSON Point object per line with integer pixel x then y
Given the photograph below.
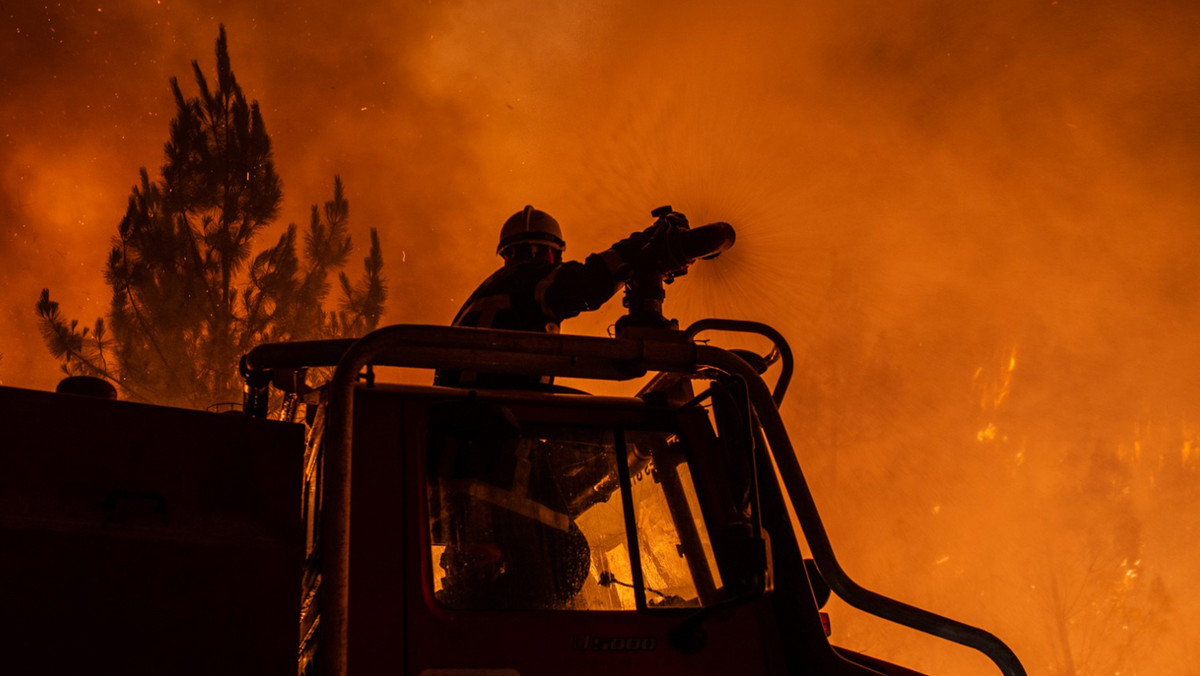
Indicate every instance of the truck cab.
{"type": "Point", "coordinates": [488, 532]}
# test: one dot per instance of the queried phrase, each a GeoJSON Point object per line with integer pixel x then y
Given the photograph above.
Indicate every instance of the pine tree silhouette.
{"type": "Point", "coordinates": [187, 298]}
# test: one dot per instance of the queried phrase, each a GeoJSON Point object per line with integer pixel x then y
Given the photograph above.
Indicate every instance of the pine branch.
{"type": "Point", "coordinates": [64, 341]}
{"type": "Point", "coordinates": [365, 301]}
{"type": "Point", "coordinates": [122, 286]}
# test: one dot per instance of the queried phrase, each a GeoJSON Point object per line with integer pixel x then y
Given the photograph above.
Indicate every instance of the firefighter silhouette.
{"type": "Point", "coordinates": [497, 501]}
{"type": "Point", "coordinates": [535, 290]}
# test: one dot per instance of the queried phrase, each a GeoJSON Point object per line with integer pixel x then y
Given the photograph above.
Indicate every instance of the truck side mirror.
{"type": "Point", "coordinates": [745, 560]}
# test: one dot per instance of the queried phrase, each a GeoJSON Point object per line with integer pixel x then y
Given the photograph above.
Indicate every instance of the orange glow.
{"type": "Point", "coordinates": [975, 222]}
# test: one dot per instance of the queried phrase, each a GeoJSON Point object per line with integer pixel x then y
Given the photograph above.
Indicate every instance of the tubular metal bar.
{"type": "Point", "coordinates": [491, 350]}
{"type": "Point", "coordinates": [434, 346]}
{"type": "Point", "coordinates": [768, 332]}
{"type": "Point", "coordinates": [631, 539]}
{"type": "Point", "coordinates": [818, 539]}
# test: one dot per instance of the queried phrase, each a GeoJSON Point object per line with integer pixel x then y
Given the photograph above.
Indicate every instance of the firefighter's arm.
{"type": "Point", "coordinates": [575, 287]}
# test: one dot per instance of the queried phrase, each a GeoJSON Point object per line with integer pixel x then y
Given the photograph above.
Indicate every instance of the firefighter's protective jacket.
{"type": "Point", "coordinates": [537, 295]}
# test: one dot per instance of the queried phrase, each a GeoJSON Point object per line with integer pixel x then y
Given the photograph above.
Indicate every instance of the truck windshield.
{"type": "Point", "coordinates": [537, 520]}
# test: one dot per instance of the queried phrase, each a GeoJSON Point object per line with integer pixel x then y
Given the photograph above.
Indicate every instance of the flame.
{"type": "Point", "coordinates": [993, 385]}
{"type": "Point", "coordinates": [987, 434]}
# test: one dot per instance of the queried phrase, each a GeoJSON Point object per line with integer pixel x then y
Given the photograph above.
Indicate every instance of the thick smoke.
{"type": "Point", "coordinates": [976, 224]}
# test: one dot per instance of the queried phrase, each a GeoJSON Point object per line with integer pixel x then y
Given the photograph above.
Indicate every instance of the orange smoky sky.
{"type": "Point", "coordinates": [976, 222]}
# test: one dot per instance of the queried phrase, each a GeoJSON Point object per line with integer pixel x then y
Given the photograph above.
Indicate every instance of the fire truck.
{"type": "Point", "coordinates": [373, 527]}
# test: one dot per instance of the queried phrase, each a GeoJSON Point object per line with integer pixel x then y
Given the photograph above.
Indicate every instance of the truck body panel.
{"type": "Point", "coordinates": [140, 539]}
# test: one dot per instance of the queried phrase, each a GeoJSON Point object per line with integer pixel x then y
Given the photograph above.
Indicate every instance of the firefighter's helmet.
{"type": "Point", "coordinates": [531, 226]}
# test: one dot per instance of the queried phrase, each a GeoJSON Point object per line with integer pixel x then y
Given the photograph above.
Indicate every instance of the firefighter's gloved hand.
{"type": "Point", "coordinates": [649, 249]}
{"type": "Point", "coordinates": [676, 220]}
{"type": "Point", "coordinates": [662, 252]}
